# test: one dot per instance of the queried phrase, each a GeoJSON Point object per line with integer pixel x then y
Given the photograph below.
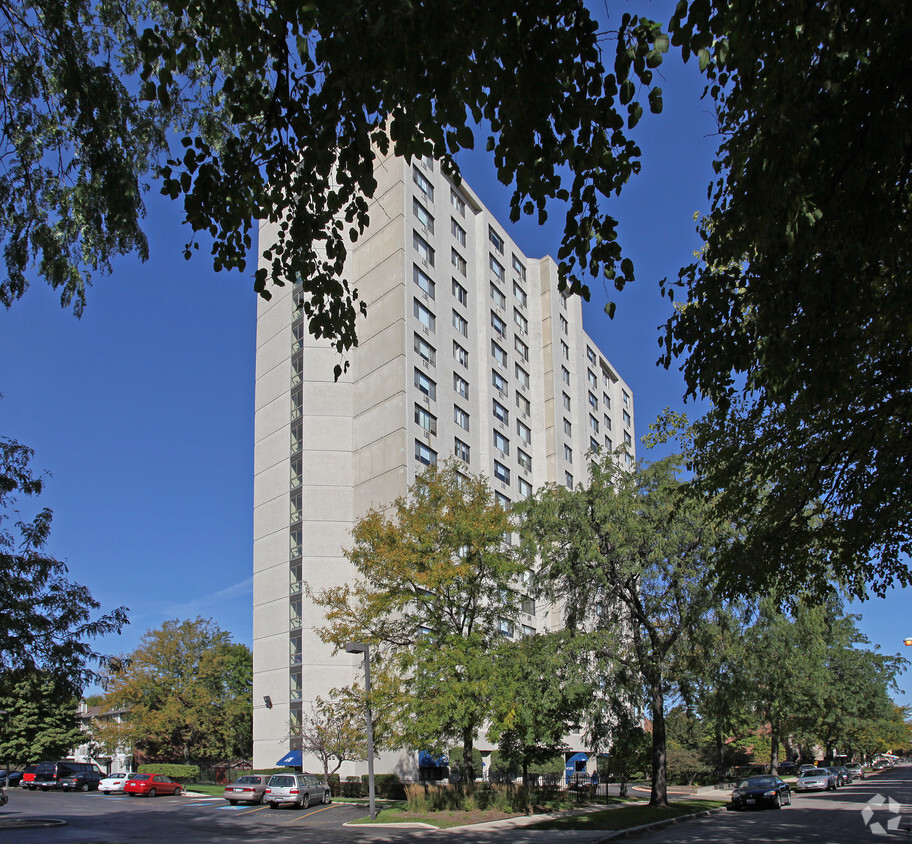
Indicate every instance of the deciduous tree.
{"type": "Point", "coordinates": [332, 736]}
{"type": "Point", "coordinates": [435, 589]}
{"type": "Point", "coordinates": [629, 554]}
{"type": "Point", "coordinates": [188, 691]}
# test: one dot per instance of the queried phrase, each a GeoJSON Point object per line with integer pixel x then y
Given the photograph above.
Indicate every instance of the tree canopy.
{"type": "Point", "coordinates": [254, 111]}
{"type": "Point", "coordinates": [49, 621]}
{"type": "Point", "coordinates": [794, 320]}
{"type": "Point", "coordinates": [187, 689]}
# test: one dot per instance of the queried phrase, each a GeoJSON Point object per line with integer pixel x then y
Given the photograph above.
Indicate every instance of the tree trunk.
{"type": "Point", "coordinates": [659, 793]}
{"type": "Point", "coordinates": [720, 754]}
{"type": "Point", "coordinates": [774, 747]}
{"type": "Point", "coordinates": [622, 787]}
{"type": "Point", "coordinates": [468, 763]}
{"type": "Point", "coordinates": [525, 770]}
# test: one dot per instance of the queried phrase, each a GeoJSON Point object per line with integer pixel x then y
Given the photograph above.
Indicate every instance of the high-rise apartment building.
{"type": "Point", "coordinates": [468, 350]}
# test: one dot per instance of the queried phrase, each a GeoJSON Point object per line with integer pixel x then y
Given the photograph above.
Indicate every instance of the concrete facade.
{"type": "Point", "coordinates": [468, 349]}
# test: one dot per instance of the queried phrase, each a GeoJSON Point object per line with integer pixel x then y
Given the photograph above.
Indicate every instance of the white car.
{"type": "Point", "coordinates": [113, 784]}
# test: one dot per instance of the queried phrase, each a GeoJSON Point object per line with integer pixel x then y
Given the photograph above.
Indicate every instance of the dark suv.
{"type": "Point", "coordinates": [48, 775]}
{"type": "Point", "coordinates": [82, 781]}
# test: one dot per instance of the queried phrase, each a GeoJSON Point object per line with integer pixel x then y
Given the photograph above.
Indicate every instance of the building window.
{"type": "Point", "coordinates": [565, 350]}
{"type": "Point", "coordinates": [458, 232]}
{"type": "Point", "coordinates": [626, 418]}
{"type": "Point", "coordinates": [461, 450]}
{"type": "Point", "coordinates": [460, 417]}
{"type": "Point", "coordinates": [460, 324]}
{"type": "Point", "coordinates": [593, 402]}
{"type": "Point", "coordinates": [499, 299]}
{"type": "Point", "coordinates": [496, 267]}
{"type": "Point", "coordinates": [626, 399]}
{"type": "Point", "coordinates": [520, 294]}
{"type": "Point", "coordinates": [563, 298]}
{"type": "Point", "coordinates": [458, 261]}
{"type": "Point", "coordinates": [521, 348]}
{"type": "Point", "coordinates": [424, 216]}
{"type": "Point", "coordinates": [607, 421]}
{"type": "Point", "coordinates": [461, 386]}
{"type": "Point", "coordinates": [460, 293]}
{"type": "Point", "coordinates": [461, 355]}
{"type": "Point", "coordinates": [590, 354]}
{"type": "Point", "coordinates": [523, 404]}
{"type": "Point", "coordinates": [424, 184]}
{"type": "Point", "coordinates": [428, 162]}
{"type": "Point", "coordinates": [499, 382]}
{"type": "Point", "coordinates": [565, 375]}
{"type": "Point", "coordinates": [501, 472]}
{"type": "Point", "coordinates": [425, 350]}
{"type": "Point", "coordinates": [525, 433]}
{"type": "Point", "coordinates": [607, 399]}
{"type": "Point", "coordinates": [566, 400]}
{"type": "Point", "coordinates": [524, 460]}
{"type": "Point", "coordinates": [424, 316]}
{"type": "Point", "coordinates": [568, 480]}
{"type": "Point", "coordinates": [423, 248]}
{"type": "Point", "coordinates": [522, 376]}
{"type": "Point", "coordinates": [425, 419]}
{"type": "Point", "coordinates": [519, 268]}
{"type": "Point", "coordinates": [498, 353]}
{"type": "Point", "coordinates": [608, 444]}
{"type": "Point", "coordinates": [501, 413]}
{"type": "Point", "coordinates": [425, 454]}
{"type": "Point", "coordinates": [593, 381]}
{"type": "Point", "coordinates": [568, 428]}
{"type": "Point", "coordinates": [457, 202]}
{"type": "Point", "coordinates": [424, 281]}
{"type": "Point", "coordinates": [521, 322]}
{"type": "Point", "coordinates": [593, 444]}
{"type": "Point", "coordinates": [425, 384]}
{"type": "Point", "coordinates": [498, 325]}
{"type": "Point", "coordinates": [502, 500]}
{"type": "Point", "coordinates": [501, 443]}
{"type": "Point", "coordinates": [496, 240]}
{"type": "Point", "coordinates": [593, 424]}
{"type": "Point", "coordinates": [525, 488]}
{"type": "Point", "coordinates": [563, 324]}
{"type": "Point", "coordinates": [568, 453]}
{"type": "Point", "coordinates": [627, 439]}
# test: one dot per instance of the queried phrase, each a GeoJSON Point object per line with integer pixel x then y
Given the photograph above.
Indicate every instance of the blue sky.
{"type": "Point", "coordinates": [141, 412]}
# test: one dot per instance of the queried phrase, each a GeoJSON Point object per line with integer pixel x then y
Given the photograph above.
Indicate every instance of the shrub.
{"type": "Point", "coordinates": [386, 786]}
{"type": "Point", "coordinates": [176, 772]}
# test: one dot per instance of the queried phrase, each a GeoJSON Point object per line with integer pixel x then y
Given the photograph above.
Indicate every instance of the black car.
{"type": "Point", "coordinates": [14, 778]}
{"type": "Point", "coordinates": [842, 776]}
{"type": "Point", "coordinates": [761, 791]}
{"type": "Point", "coordinates": [81, 781]}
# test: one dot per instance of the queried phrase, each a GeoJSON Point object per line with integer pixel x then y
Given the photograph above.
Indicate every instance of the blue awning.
{"type": "Point", "coordinates": [292, 759]}
{"type": "Point", "coordinates": [428, 760]}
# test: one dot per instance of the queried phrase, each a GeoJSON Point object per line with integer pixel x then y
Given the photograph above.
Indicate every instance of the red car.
{"type": "Point", "coordinates": [152, 785]}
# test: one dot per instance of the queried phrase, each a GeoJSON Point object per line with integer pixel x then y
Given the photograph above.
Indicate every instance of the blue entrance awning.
{"type": "Point", "coordinates": [292, 759]}
{"type": "Point", "coordinates": [428, 760]}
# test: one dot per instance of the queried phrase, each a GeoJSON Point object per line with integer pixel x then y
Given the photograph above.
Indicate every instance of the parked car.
{"type": "Point", "coordinates": [81, 781]}
{"type": "Point", "coordinates": [761, 791]}
{"type": "Point", "coordinates": [114, 783]}
{"type": "Point", "coordinates": [4, 798]}
{"type": "Point", "coordinates": [806, 767]}
{"type": "Point", "coordinates": [14, 778]}
{"type": "Point", "coordinates": [580, 781]}
{"type": "Point", "coordinates": [856, 770]}
{"type": "Point", "coordinates": [152, 785]}
{"type": "Point", "coordinates": [843, 769]}
{"type": "Point", "coordinates": [842, 777]}
{"type": "Point", "coordinates": [296, 789]}
{"type": "Point", "coordinates": [28, 777]}
{"type": "Point", "coordinates": [787, 769]}
{"type": "Point", "coordinates": [816, 779]}
{"type": "Point", "coordinates": [249, 788]}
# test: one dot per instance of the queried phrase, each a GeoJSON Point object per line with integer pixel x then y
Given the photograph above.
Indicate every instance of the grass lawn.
{"type": "Point", "coordinates": [625, 817]}
{"type": "Point", "coordinates": [216, 790]}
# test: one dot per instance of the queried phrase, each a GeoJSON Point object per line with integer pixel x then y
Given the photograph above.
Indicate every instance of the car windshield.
{"type": "Point", "coordinates": [247, 781]}
{"type": "Point", "coordinates": [757, 782]}
{"type": "Point", "coordinates": [140, 776]}
{"type": "Point", "coordinates": [813, 773]}
{"type": "Point", "coordinates": [282, 781]}
{"type": "Point", "coordinates": [115, 776]}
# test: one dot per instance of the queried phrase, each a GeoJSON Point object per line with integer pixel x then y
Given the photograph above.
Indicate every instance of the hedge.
{"type": "Point", "coordinates": [176, 772]}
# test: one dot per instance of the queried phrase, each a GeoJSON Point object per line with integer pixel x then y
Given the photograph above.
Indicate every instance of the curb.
{"type": "Point", "coordinates": [651, 827]}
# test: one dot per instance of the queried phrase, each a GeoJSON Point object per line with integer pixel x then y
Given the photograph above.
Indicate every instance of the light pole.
{"type": "Point", "coordinates": [364, 648]}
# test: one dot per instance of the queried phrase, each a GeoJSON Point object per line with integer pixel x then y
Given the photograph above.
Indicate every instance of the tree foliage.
{"type": "Point", "coordinates": [49, 621]}
{"type": "Point", "coordinates": [256, 111]}
{"type": "Point", "coordinates": [435, 583]}
{"type": "Point", "coordinates": [187, 689]}
{"type": "Point", "coordinates": [41, 721]}
{"type": "Point", "coordinates": [795, 321]}
{"type": "Point", "coordinates": [629, 554]}
{"type": "Point", "coordinates": [332, 736]}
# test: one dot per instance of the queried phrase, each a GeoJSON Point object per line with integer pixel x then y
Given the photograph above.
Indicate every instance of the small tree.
{"type": "Point", "coordinates": [333, 737]}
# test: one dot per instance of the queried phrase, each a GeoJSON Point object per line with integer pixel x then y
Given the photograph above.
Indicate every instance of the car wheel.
{"type": "Point", "coordinates": [233, 802]}
{"type": "Point", "coordinates": [151, 792]}
{"type": "Point", "coordinates": [177, 792]}
{"type": "Point", "coordinates": [271, 805]}
{"type": "Point", "coordinates": [327, 797]}
{"type": "Point", "coordinates": [259, 800]}
{"type": "Point", "coordinates": [777, 802]}
{"type": "Point", "coordinates": [84, 787]}
{"type": "Point", "coordinates": [305, 800]}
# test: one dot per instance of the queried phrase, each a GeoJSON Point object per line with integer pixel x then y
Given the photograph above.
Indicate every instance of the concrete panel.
{"type": "Point", "coordinates": [272, 449]}
{"type": "Point", "coordinates": [327, 468]}
{"type": "Point", "coordinates": [271, 516]}
{"type": "Point", "coordinates": [272, 417]}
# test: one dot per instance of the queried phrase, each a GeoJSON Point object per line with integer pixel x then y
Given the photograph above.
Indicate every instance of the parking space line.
{"type": "Point", "coordinates": [255, 809]}
{"type": "Point", "coordinates": [301, 817]}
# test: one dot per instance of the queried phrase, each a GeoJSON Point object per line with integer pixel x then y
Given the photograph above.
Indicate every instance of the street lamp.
{"type": "Point", "coordinates": [364, 648]}
{"type": "Point", "coordinates": [907, 640]}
